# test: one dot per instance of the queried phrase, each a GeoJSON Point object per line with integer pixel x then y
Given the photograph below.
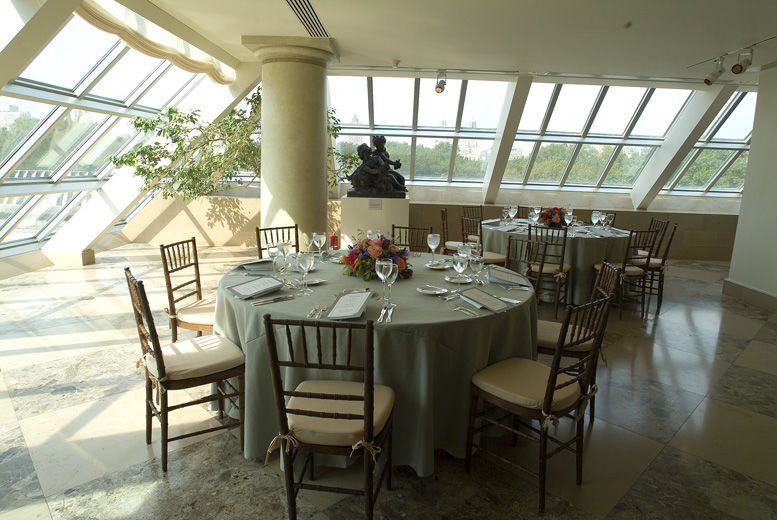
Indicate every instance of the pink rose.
{"type": "Point", "coordinates": [375, 251]}
{"type": "Point", "coordinates": [401, 264]}
{"type": "Point", "coordinates": [377, 242]}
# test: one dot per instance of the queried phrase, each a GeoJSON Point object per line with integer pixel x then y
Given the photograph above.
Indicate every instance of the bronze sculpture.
{"type": "Point", "coordinates": [374, 176]}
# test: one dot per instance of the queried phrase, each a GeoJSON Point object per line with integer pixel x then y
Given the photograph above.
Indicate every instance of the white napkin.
{"type": "Point", "coordinates": [471, 302]}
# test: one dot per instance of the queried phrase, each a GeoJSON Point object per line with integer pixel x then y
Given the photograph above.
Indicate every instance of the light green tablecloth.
{"type": "Point", "coordinates": [428, 355]}
{"type": "Point", "coordinates": [586, 248]}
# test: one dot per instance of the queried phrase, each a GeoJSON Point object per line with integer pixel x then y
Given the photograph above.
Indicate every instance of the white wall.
{"type": "Point", "coordinates": [754, 261]}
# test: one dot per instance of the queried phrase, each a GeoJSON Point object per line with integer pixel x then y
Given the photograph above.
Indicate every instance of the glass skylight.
{"type": "Point", "coordinates": [705, 165]}
{"type": "Point", "coordinates": [589, 164]}
{"type": "Point", "coordinates": [739, 124]}
{"type": "Point", "coordinates": [9, 206]}
{"type": "Point", "coordinates": [471, 159]}
{"type": "Point", "coordinates": [572, 108]}
{"type": "Point", "coordinates": [166, 88]}
{"type": "Point", "coordinates": [617, 110]}
{"type": "Point", "coordinates": [628, 165]}
{"type": "Point", "coordinates": [519, 158]}
{"type": "Point", "coordinates": [483, 104]}
{"type": "Point", "coordinates": [734, 177]}
{"type": "Point", "coordinates": [126, 75]}
{"type": "Point", "coordinates": [438, 110]}
{"type": "Point", "coordinates": [536, 106]}
{"type": "Point", "coordinates": [108, 144]}
{"type": "Point", "coordinates": [432, 158]}
{"type": "Point", "coordinates": [18, 118]}
{"type": "Point", "coordinates": [39, 216]}
{"type": "Point", "coordinates": [660, 112]}
{"type": "Point", "coordinates": [393, 100]}
{"type": "Point", "coordinates": [551, 163]}
{"type": "Point", "coordinates": [348, 96]}
{"type": "Point", "coordinates": [10, 22]}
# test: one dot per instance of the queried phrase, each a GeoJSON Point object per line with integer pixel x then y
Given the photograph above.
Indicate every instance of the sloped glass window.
{"type": "Point", "coordinates": [399, 150]}
{"type": "Point", "coordinates": [393, 101]}
{"type": "Point", "coordinates": [483, 104]}
{"type": "Point", "coordinates": [348, 96]}
{"type": "Point", "coordinates": [432, 158]}
{"type": "Point", "coordinates": [516, 163]}
{"type": "Point", "coordinates": [209, 97]}
{"type": "Point", "coordinates": [739, 124]}
{"type": "Point", "coordinates": [660, 112]}
{"type": "Point", "coordinates": [589, 164]}
{"type": "Point", "coordinates": [10, 22]}
{"type": "Point", "coordinates": [471, 159]}
{"type": "Point", "coordinates": [680, 168]}
{"type": "Point", "coordinates": [536, 106]}
{"type": "Point", "coordinates": [733, 179]}
{"type": "Point", "coordinates": [628, 165]}
{"type": "Point", "coordinates": [39, 216]}
{"type": "Point", "coordinates": [438, 110]}
{"type": "Point", "coordinates": [71, 209]}
{"type": "Point", "coordinates": [9, 206]}
{"type": "Point", "coordinates": [701, 171]}
{"type": "Point", "coordinates": [617, 110]}
{"type": "Point", "coordinates": [58, 144]}
{"type": "Point", "coordinates": [71, 55]}
{"type": "Point", "coordinates": [131, 70]}
{"type": "Point", "coordinates": [166, 88]}
{"type": "Point", "coordinates": [551, 162]}
{"type": "Point", "coordinates": [572, 108]}
{"type": "Point", "coordinates": [18, 118]}
{"type": "Point", "coordinates": [347, 144]}
{"type": "Point", "coordinates": [97, 156]}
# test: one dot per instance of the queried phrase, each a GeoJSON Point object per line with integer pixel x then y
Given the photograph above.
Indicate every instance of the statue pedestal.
{"type": "Point", "coordinates": [358, 214]}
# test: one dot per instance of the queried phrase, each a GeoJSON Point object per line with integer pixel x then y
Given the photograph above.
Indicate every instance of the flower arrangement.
{"type": "Point", "coordinates": [360, 260]}
{"type": "Point", "coordinates": [553, 217]}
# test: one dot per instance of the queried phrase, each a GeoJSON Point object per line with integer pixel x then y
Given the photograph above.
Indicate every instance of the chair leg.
{"type": "Point", "coordinates": [174, 330]}
{"type": "Point", "coordinates": [288, 478]}
{"type": "Point", "coordinates": [390, 455]}
{"type": "Point", "coordinates": [473, 406]}
{"type": "Point", "coordinates": [149, 413]}
{"type": "Point", "coordinates": [312, 466]}
{"type": "Point", "coordinates": [220, 400]}
{"type": "Point", "coordinates": [514, 436]}
{"type": "Point", "coordinates": [555, 303]}
{"type": "Point", "coordinates": [369, 501]}
{"type": "Point", "coordinates": [163, 420]}
{"type": "Point", "coordinates": [241, 402]}
{"type": "Point", "coordinates": [579, 449]}
{"type": "Point", "coordinates": [660, 295]}
{"type": "Point", "coordinates": [543, 456]}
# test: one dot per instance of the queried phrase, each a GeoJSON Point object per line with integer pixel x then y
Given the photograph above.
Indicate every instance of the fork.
{"type": "Point", "coordinates": [382, 314]}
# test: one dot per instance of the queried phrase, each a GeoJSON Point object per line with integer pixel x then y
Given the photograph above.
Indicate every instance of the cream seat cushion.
{"type": "Point", "coordinates": [549, 268]}
{"type": "Point", "coordinates": [631, 271]}
{"type": "Point", "coordinates": [490, 257]}
{"type": "Point", "coordinates": [523, 382]}
{"type": "Point", "coordinates": [655, 263]}
{"type": "Point", "coordinates": [337, 432]}
{"type": "Point", "coordinates": [197, 357]}
{"type": "Point", "coordinates": [200, 312]}
{"type": "Point", "coordinates": [548, 333]}
{"type": "Point", "coordinates": [453, 245]}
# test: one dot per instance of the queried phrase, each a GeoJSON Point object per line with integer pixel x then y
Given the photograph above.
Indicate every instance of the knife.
{"type": "Point", "coordinates": [382, 313]}
{"type": "Point", "coordinates": [390, 312]}
{"type": "Point", "coordinates": [273, 300]}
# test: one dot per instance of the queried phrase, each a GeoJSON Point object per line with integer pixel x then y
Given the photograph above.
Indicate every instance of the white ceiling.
{"type": "Point", "coordinates": [644, 38]}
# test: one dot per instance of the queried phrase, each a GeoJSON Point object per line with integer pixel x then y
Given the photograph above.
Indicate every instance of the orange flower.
{"type": "Point", "coordinates": [375, 251]}
{"type": "Point", "coordinates": [401, 264]}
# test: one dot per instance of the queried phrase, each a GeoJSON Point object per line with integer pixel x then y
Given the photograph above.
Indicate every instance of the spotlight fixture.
{"type": "Point", "coordinates": [743, 62]}
{"type": "Point", "coordinates": [715, 74]}
{"type": "Point", "coordinates": [441, 80]}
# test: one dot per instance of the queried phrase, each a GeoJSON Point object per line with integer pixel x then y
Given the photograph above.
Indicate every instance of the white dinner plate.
{"type": "Point", "coordinates": [315, 281]}
{"type": "Point", "coordinates": [438, 266]}
{"type": "Point", "coordinates": [458, 279]}
{"type": "Point", "coordinates": [436, 291]}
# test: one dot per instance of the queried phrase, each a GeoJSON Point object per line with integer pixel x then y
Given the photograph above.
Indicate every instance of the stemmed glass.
{"type": "Point", "coordinates": [391, 277]}
{"type": "Point", "coordinates": [373, 233]}
{"type": "Point", "coordinates": [595, 217]}
{"type": "Point", "coordinates": [608, 218]}
{"type": "Point", "coordinates": [319, 239]}
{"type": "Point", "coordinates": [305, 261]}
{"type": "Point", "coordinates": [284, 248]}
{"type": "Point", "coordinates": [537, 213]}
{"type": "Point", "coordinates": [382, 269]}
{"type": "Point", "coordinates": [505, 214]}
{"type": "Point", "coordinates": [512, 210]}
{"type": "Point", "coordinates": [460, 263]}
{"type": "Point", "coordinates": [476, 264]}
{"type": "Point", "coordinates": [433, 241]}
{"type": "Point", "coordinates": [272, 252]}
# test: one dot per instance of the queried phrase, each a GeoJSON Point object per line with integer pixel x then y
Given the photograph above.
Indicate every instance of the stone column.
{"type": "Point", "coordinates": [294, 135]}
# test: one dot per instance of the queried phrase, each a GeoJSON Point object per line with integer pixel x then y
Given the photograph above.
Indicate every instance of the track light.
{"type": "Point", "coordinates": [743, 62]}
{"type": "Point", "coordinates": [715, 74]}
{"type": "Point", "coordinates": [441, 79]}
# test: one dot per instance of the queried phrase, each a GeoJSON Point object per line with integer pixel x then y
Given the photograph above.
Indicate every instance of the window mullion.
{"type": "Point", "coordinates": [14, 221]}
{"type": "Point", "coordinates": [103, 67]}
{"type": "Point", "coordinates": [729, 110]}
{"type": "Point", "coordinates": [83, 148]}
{"type": "Point", "coordinates": [52, 223]}
{"type": "Point", "coordinates": [543, 128]}
{"type": "Point", "coordinates": [722, 170]}
{"type": "Point", "coordinates": [694, 155]}
{"type": "Point", "coordinates": [608, 166]}
{"type": "Point", "coordinates": [460, 111]}
{"type": "Point", "coordinates": [40, 133]}
{"type": "Point", "coordinates": [147, 83]}
{"type": "Point", "coordinates": [370, 104]}
{"type": "Point", "coordinates": [638, 112]}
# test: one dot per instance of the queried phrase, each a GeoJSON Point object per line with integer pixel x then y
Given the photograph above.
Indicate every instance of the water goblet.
{"type": "Point", "coordinates": [464, 249]}
{"type": "Point", "coordinates": [391, 277]}
{"type": "Point", "coordinates": [305, 261]}
{"type": "Point", "coordinates": [505, 214]}
{"type": "Point", "coordinates": [608, 219]}
{"type": "Point", "coordinates": [373, 233]}
{"type": "Point", "coordinates": [272, 252]}
{"type": "Point", "coordinates": [532, 215]}
{"type": "Point", "coordinates": [568, 218]}
{"type": "Point", "coordinates": [595, 216]}
{"type": "Point", "coordinates": [433, 241]}
{"type": "Point", "coordinates": [382, 269]}
{"type": "Point", "coordinates": [537, 213]}
{"type": "Point", "coordinates": [460, 263]}
{"type": "Point", "coordinates": [476, 265]}
{"type": "Point", "coordinates": [319, 239]}
{"type": "Point", "coordinates": [284, 248]}
{"type": "Point", "coordinates": [512, 210]}
{"type": "Point", "coordinates": [474, 248]}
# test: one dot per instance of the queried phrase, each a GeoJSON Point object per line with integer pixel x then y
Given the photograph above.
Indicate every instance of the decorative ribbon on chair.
{"type": "Point", "coordinates": [560, 275]}
{"type": "Point", "coordinates": [291, 440]}
{"type": "Point", "coordinates": [547, 419]}
{"type": "Point", "coordinates": [370, 448]}
{"type": "Point", "coordinates": [584, 403]}
{"type": "Point", "coordinates": [154, 383]}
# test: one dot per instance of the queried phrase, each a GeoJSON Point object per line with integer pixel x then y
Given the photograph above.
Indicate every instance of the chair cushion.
{"type": "Point", "coordinates": [655, 263]}
{"type": "Point", "coordinates": [631, 271]}
{"type": "Point", "coordinates": [197, 357]}
{"type": "Point", "coordinates": [200, 312]}
{"type": "Point", "coordinates": [473, 238]}
{"type": "Point", "coordinates": [337, 432]}
{"type": "Point", "coordinates": [523, 382]}
{"type": "Point", "coordinates": [453, 245]}
{"type": "Point", "coordinates": [490, 257]}
{"type": "Point", "coordinates": [547, 337]}
{"type": "Point", "coordinates": [548, 268]}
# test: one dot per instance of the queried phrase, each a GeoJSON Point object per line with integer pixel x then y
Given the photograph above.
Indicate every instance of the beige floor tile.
{"type": "Point", "coordinates": [350, 477]}
{"type": "Point", "coordinates": [759, 356]}
{"type": "Point", "coordinates": [74, 445]}
{"type": "Point", "coordinates": [7, 414]}
{"type": "Point", "coordinates": [613, 459]}
{"type": "Point", "coordinates": [692, 371]}
{"type": "Point", "coordinates": [38, 510]}
{"type": "Point", "coordinates": [695, 274]}
{"type": "Point", "coordinates": [733, 438]}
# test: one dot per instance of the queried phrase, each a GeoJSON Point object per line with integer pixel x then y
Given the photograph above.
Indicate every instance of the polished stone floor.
{"type": "Point", "coordinates": [686, 417]}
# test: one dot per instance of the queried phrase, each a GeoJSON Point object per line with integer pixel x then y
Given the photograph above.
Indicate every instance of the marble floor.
{"type": "Point", "coordinates": [686, 416]}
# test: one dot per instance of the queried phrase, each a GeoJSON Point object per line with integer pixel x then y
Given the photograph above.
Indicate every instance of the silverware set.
{"type": "Point", "coordinates": [273, 300]}
{"type": "Point", "coordinates": [385, 313]}
{"type": "Point", "coordinates": [318, 311]}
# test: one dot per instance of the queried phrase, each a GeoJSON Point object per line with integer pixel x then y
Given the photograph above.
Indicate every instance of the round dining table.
{"type": "Point", "coordinates": [427, 354]}
{"type": "Point", "coordinates": [586, 246]}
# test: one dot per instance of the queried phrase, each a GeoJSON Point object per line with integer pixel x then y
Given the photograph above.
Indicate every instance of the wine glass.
{"type": "Point", "coordinates": [272, 252]}
{"type": "Point", "coordinates": [505, 214]}
{"type": "Point", "coordinates": [433, 241]}
{"type": "Point", "coordinates": [305, 261]}
{"type": "Point", "coordinates": [595, 217]}
{"type": "Point", "coordinates": [319, 238]}
{"type": "Point", "coordinates": [476, 264]}
{"type": "Point", "coordinates": [537, 213]}
{"type": "Point", "coordinates": [568, 218]}
{"type": "Point", "coordinates": [464, 249]}
{"type": "Point", "coordinates": [383, 269]}
{"type": "Point", "coordinates": [512, 210]}
{"type": "Point", "coordinates": [609, 217]}
{"type": "Point", "coordinates": [391, 277]}
{"type": "Point", "coordinates": [373, 233]}
{"type": "Point", "coordinates": [460, 263]}
{"type": "Point", "coordinates": [474, 248]}
{"type": "Point", "coordinates": [284, 248]}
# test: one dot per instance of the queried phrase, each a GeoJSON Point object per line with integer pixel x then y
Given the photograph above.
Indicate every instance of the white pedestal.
{"type": "Point", "coordinates": [358, 214]}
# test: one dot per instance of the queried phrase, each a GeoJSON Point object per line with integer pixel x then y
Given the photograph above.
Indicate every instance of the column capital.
{"type": "Point", "coordinates": [319, 51]}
